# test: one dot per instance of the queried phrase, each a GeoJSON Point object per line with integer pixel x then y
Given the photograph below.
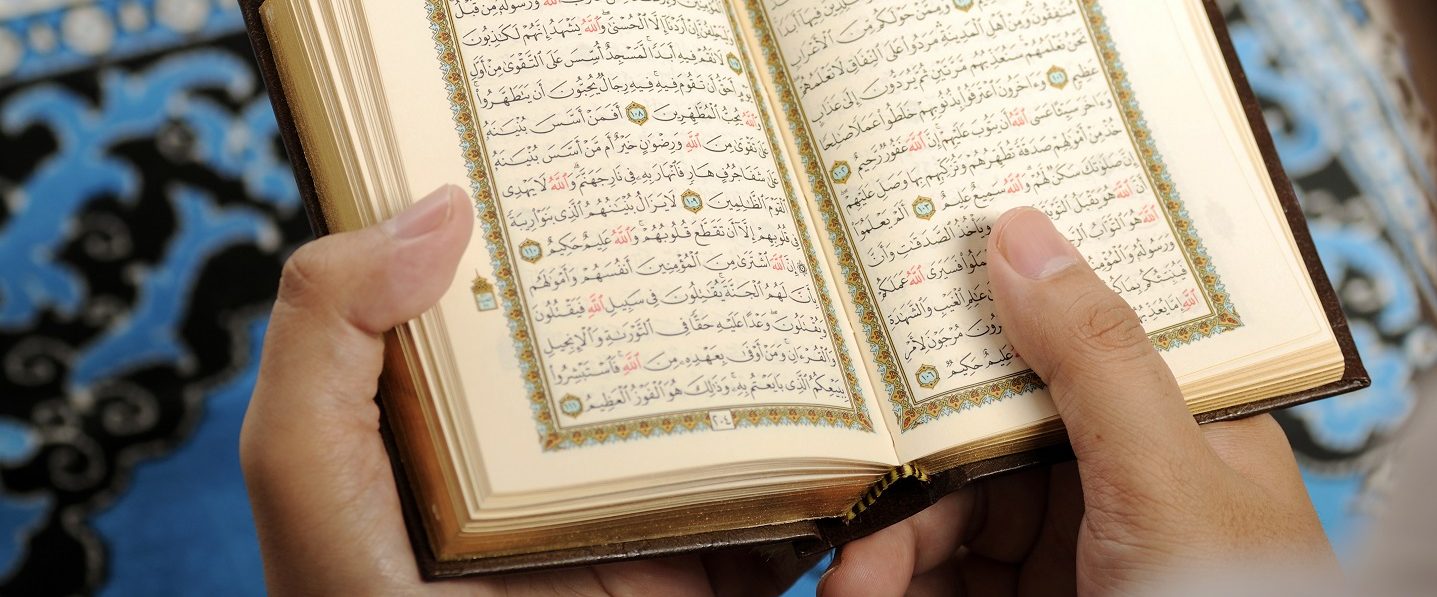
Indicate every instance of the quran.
{"type": "Point", "coordinates": [727, 286]}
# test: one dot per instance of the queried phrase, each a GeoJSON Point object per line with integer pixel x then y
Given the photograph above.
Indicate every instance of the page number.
{"type": "Point", "coordinates": [721, 420]}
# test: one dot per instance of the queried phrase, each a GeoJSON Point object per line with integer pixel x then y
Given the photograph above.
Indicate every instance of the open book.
{"type": "Point", "coordinates": [729, 286]}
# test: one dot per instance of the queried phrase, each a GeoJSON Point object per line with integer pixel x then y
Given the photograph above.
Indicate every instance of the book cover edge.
{"type": "Point", "coordinates": [906, 497]}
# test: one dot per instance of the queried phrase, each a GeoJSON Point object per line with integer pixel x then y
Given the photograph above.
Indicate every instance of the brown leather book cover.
{"type": "Point", "coordinates": [900, 499]}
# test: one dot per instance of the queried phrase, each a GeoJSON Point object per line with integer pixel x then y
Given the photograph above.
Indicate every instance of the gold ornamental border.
{"type": "Point", "coordinates": [1222, 315]}
{"type": "Point", "coordinates": [551, 435]}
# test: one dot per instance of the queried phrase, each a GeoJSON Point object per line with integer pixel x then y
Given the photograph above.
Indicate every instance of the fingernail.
{"type": "Point", "coordinates": [1031, 245]}
{"type": "Point", "coordinates": [426, 216]}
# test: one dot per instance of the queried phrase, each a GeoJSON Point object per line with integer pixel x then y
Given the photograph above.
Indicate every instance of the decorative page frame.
{"type": "Point", "coordinates": [546, 407]}
{"type": "Point", "coordinates": [1222, 314]}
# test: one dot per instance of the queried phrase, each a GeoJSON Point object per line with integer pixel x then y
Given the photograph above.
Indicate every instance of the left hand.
{"type": "Point", "coordinates": [324, 498]}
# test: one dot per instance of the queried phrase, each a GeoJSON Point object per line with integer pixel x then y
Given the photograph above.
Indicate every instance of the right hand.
{"type": "Point", "coordinates": [1152, 495]}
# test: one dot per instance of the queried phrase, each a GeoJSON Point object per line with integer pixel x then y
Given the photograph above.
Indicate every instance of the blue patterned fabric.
{"type": "Point", "coordinates": [146, 207]}
{"type": "Point", "coordinates": [1354, 144]}
{"type": "Point", "coordinates": [146, 210]}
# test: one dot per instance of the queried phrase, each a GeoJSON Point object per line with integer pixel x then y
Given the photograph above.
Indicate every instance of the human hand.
{"type": "Point", "coordinates": [319, 478]}
{"type": "Point", "coordinates": [1159, 496]}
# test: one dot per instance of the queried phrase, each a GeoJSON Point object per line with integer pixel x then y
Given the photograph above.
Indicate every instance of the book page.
{"type": "Point", "coordinates": [644, 291]}
{"type": "Point", "coordinates": [923, 121]}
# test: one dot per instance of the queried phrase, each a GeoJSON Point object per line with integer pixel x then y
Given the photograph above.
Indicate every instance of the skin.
{"type": "Point", "coordinates": [1156, 491]}
{"type": "Point", "coordinates": [1151, 495]}
{"type": "Point", "coordinates": [323, 495]}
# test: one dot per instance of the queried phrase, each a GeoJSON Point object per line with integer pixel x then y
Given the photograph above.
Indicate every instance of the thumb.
{"type": "Point", "coordinates": [309, 446]}
{"type": "Point", "coordinates": [1125, 416]}
{"type": "Point", "coordinates": [338, 294]}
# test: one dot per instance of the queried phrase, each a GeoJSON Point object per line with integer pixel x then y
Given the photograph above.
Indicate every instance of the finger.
{"type": "Point", "coordinates": [945, 580]}
{"type": "Point", "coordinates": [682, 576]}
{"type": "Point", "coordinates": [980, 576]}
{"type": "Point", "coordinates": [1048, 570]}
{"type": "Point", "coordinates": [318, 476]}
{"type": "Point", "coordinates": [1125, 417]}
{"type": "Point", "coordinates": [1258, 450]}
{"type": "Point", "coordinates": [339, 293]}
{"type": "Point", "coordinates": [885, 562]}
{"type": "Point", "coordinates": [755, 571]}
{"type": "Point", "coordinates": [1010, 512]}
